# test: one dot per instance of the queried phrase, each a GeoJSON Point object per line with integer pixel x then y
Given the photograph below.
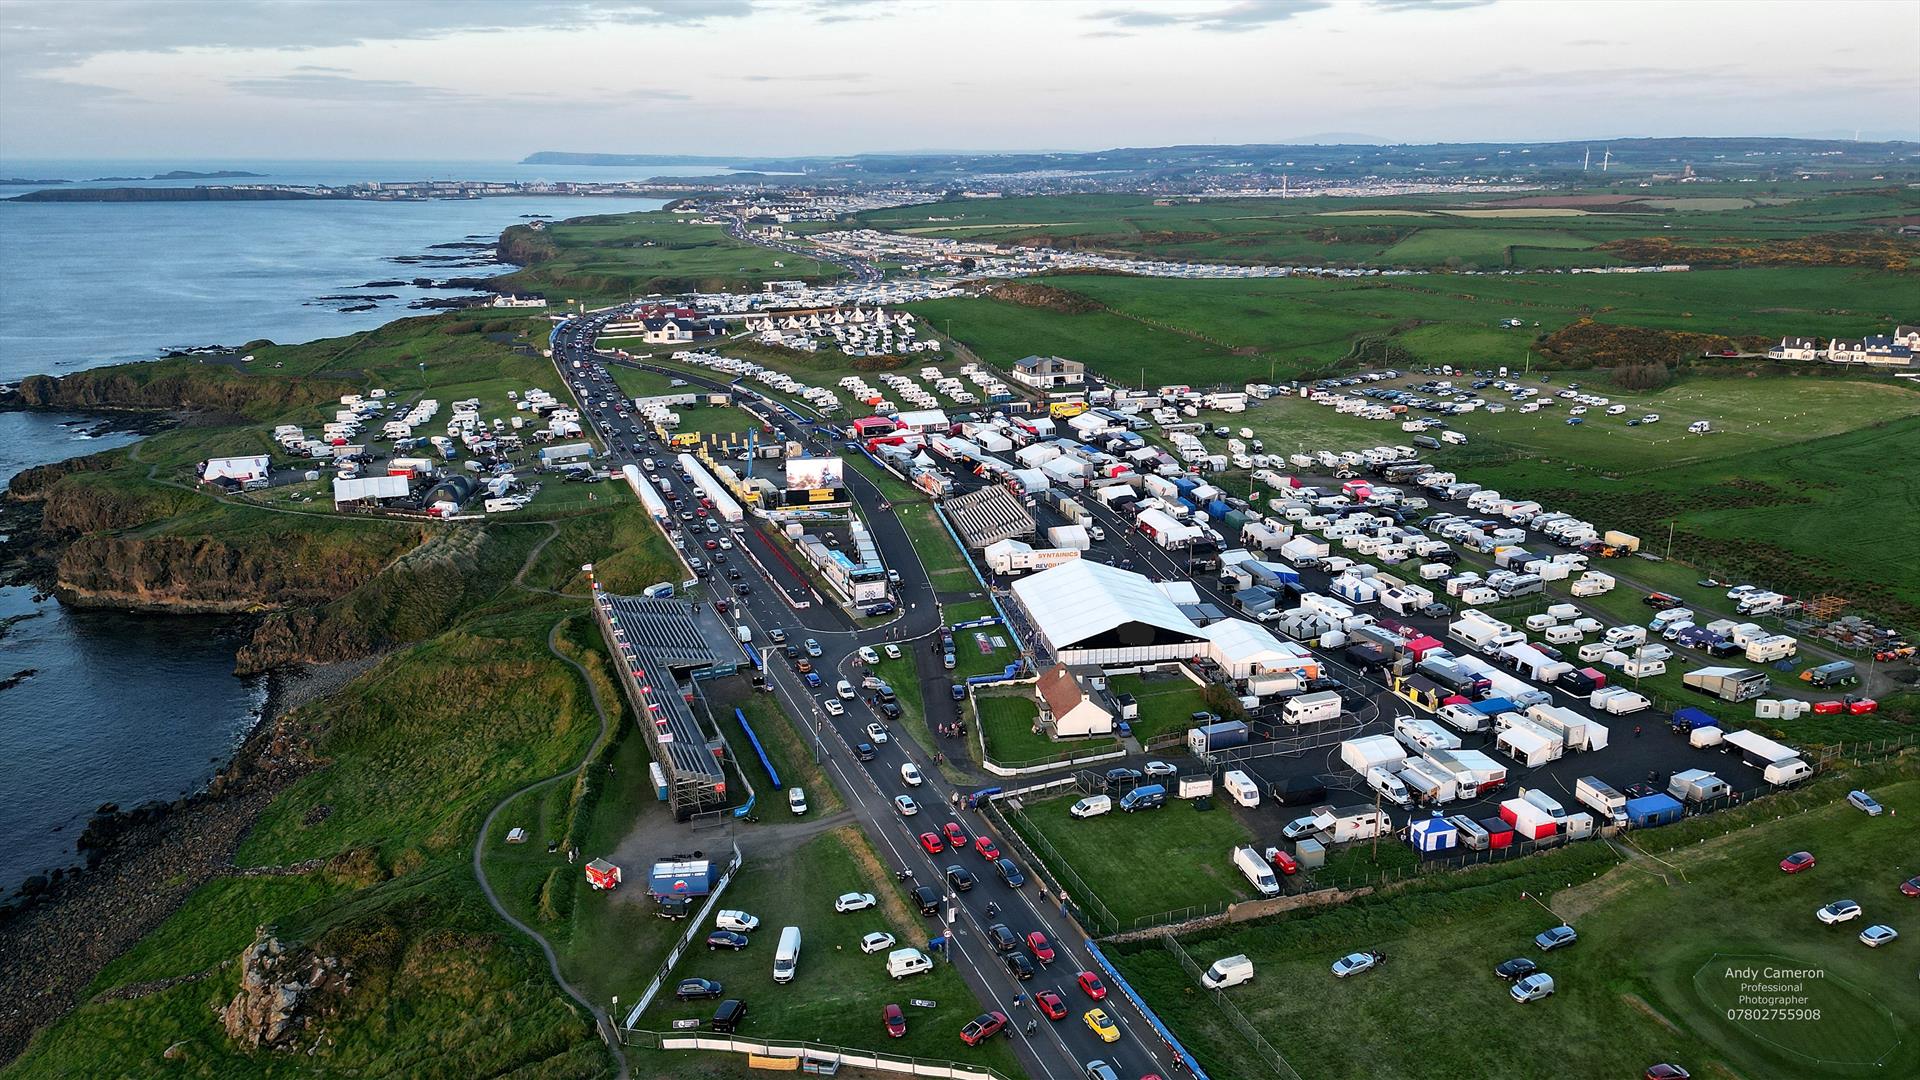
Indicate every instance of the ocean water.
{"type": "Point", "coordinates": [125, 708]}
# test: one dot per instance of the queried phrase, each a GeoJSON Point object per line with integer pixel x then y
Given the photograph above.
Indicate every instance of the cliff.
{"type": "Point", "coordinates": [210, 573]}
{"type": "Point", "coordinates": [179, 383]}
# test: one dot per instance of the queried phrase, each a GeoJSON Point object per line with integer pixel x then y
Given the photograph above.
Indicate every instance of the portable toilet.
{"type": "Point", "coordinates": [1433, 834]}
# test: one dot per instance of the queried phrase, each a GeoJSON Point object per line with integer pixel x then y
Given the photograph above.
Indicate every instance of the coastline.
{"type": "Point", "coordinates": [149, 860]}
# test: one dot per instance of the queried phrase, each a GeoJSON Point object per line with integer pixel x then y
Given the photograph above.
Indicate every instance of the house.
{"type": "Point", "coordinates": [1908, 336]}
{"type": "Point", "coordinates": [1886, 349]}
{"type": "Point", "coordinates": [1847, 352]}
{"type": "Point", "coordinates": [1795, 348]}
{"type": "Point", "coordinates": [1067, 709]}
{"type": "Point", "coordinates": [1048, 372]}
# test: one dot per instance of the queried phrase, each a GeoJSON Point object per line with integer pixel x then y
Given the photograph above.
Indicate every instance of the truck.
{"type": "Point", "coordinates": [1210, 738]}
{"type": "Point", "coordinates": [1727, 684]}
{"type": "Point", "coordinates": [1758, 750]}
{"type": "Point", "coordinates": [1258, 873]}
{"type": "Point", "coordinates": [1312, 708]}
{"type": "Point", "coordinates": [1790, 771]}
{"type": "Point", "coordinates": [1624, 541]}
{"type": "Point", "coordinates": [1838, 673]}
{"type": "Point", "coordinates": [1597, 794]}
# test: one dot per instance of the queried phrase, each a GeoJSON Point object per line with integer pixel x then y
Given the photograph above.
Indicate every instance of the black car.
{"type": "Point", "coordinates": [695, 989]}
{"type": "Point", "coordinates": [891, 709]}
{"type": "Point", "coordinates": [733, 574]}
{"type": "Point", "coordinates": [1001, 938]}
{"type": "Point", "coordinates": [864, 751]}
{"type": "Point", "coordinates": [1518, 968]}
{"type": "Point", "coordinates": [1436, 610]}
{"type": "Point", "coordinates": [792, 651]}
{"type": "Point", "coordinates": [960, 878]}
{"type": "Point", "coordinates": [928, 898]}
{"type": "Point", "coordinates": [1019, 966]}
{"type": "Point", "coordinates": [727, 939]}
{"type": "Point", "coordinates": [1010, 873]}
{"type": "Point", "coordinates": [743, 589]}
{"type": "Point", "coordinates": [729, 1015]}
{"type": "Point", "coordinates": [1122, 777]}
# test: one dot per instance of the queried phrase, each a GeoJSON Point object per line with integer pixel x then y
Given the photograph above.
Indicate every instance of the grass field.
{"type": "Point", "coordinates": [1167, 703]}
{"type": "Point", "coordinates": [1189, 851]}
{"type": "Point", "coordinates": [617, 257]}
{"type": "Point", "coordinates": [1006, 720]}
{"type": "Point", "coordinates": [838, 992]}
{"type": "Point", "coordinates": [1626, 998]}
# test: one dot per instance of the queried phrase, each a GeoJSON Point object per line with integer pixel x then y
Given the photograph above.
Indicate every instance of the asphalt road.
{"type": "Point", "coordinates": [1055, 1050]}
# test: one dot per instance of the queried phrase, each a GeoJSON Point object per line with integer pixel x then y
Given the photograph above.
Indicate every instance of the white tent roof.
{"type": "Point", "coordinates": [1083, 598]}
{"type": "Point", "coordinates": [1237, 642]}
{"type": "Point", "coordinates": [369, 487]}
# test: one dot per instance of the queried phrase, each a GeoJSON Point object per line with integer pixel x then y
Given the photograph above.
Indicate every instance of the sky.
{"type": "Point", "coordinates": [498, 79]}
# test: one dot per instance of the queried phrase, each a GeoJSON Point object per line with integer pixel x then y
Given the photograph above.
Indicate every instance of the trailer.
{"type": "Point", "coordinates": [1593, 792]}
{"type": "Point", "coordinates": [1212, 738]}
{"type": "Point", "coordinates": [1727, 684]}
{"type": "Point", "coordinates": [1758, 750]}
{"type": "Point", "coordinates": [1428, 783]}
{"type": "Point", "coordinates": [1313, 708]}
{"type": "Point", "coordinates": [1352, 822]}
{"type": "Point", "coordinates": [1528, 744]}
{"type": "Point", "coordinates": [1528, 821]}
{"type": "Point", "coordinates": [1418, 733]}
{"type": "Point", "coordinates": [1697, 785]}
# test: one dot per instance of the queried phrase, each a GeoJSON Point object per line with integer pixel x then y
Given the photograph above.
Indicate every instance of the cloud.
{"type": "Point", "coordinates": [327, 86]}
{"type": "Point", "coordinates": [1234, 18]}
{"type": "Point", "coordinates": [1429, 5]}
{"type": "Point", "coordinates": [822, 77]}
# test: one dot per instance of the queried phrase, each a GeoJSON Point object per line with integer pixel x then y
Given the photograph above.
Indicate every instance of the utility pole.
{"type": "Point", "coordinates": [1669, 540]}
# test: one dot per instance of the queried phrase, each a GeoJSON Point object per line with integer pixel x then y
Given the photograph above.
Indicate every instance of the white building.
{"type": "Point", "coordinates": [244, 469]}
{"type": "Point", "coordinates": [1067, 709]}
{"type": "Point", "coordinates": [1048, 372]}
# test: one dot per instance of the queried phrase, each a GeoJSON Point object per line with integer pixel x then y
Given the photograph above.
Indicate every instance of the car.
{"type": "Point", "coordinates": [1436, 610]}
{"type": "Point", "coordinates": [1517, 968]}
{"type": "Point", "coordinates": [1091, 985]}
{"type": "Point", "coordinates": [1534, 987]}
{"type": "Point", "coordinates": [910, 775]}
{"type": "Point", "coordinates": [895, 1020]}
{"type": "Point", "coordinates": [1838, 912]}
{"type": "Point", "coordinates": [812, 647]}
{"type": "Point", "coordinates": [727, 939]}
{"type": "Point", "coordinates": [1040, 947]}
{"type": "Point", "coordinates": [1666, 1071]}
{"type": "Point", "coordinates": [834, 708]}
{"type": "Point", "coordinates": [1864, 803]}
{"type": "Point", "coordinates": [893, 651]}
{"type": "Point", "coordinates": [853, 901]}
{"type": "Point", "coordinates": [876, 941]}
{"type": "Point", "coordinates": [696, 989]}
{"type": "Point", "coordinates": [1160, 770]}
{"type": "Point", "coordinates": [777, 636]}
{"type": "Point", "coordinates": [1354, 964]}
{"type": "Point", "coordinates": [1019, 966]}
{"type": "Point", "coordinates": [984, 847]}
{"type": "Point", "coordinates": [1122, 777]}
{"type": "Point", "coordinates": [1557, 938]}
{"type": "Point", "coordinates": [1100, 1070]}
{"type": "Point", "coordinates": [730, 919]}
{"type": "Point", "coordinates": [956, 835]}
{"type": "Point", "coordinates": [1010, 873]}
{"type": "Point", "coordinates": [983, 1027]}
{"type": "Point", "coordinates": [960, 878]}
{"type": "Point", "coordinates": [930, 843]}
{"type": "Point", "coordinates": [1910, 887]}
{"type": "Point", "coordinates": [792, 652]}
{"type": "Point", "coordinates": [890, 709]}
{"type": "Point", "coordinates": [803, 665]}
{"type": "Point", "coordinates": [712, 545]}
{"type": "Point", "coordinates": [1050, 1005]}
{"type": "Point", "coordinates": [1796, 862]}
{"type": "Point", "coordinates": [864, 751]}
{"type": "Point", "coordinates": [1300, 827]}
{"type": "Point", "coordinates": [1102, 1025]}
{"type": "Point", "coordinates": [1877, 935]}
{"type": "Point", "coordinates": [743, 589]}
{"type": "Point", "coordinates": [927, 899]}
{"type": "Point", "coordinates": [878, 734]}
{"type": "Point", "coordinates": [906, 805]}
{"type": "Point", "coordinates": [1282, 861]}
{"type": "Point", "coordinates": [868, 656]}
{"type": "Point", "coordinates": [812, 679]}
{"type": "Point", "coordinates": [1002, 939]}
{"type": "Point", "coordinates": [959, 691]}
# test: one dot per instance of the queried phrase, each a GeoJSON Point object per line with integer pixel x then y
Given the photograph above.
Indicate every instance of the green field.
{"type": "Point", "coordinates": [1625, 997]}
{"type": "Point", "coordinates": [1107, 853]}
{"type": "Point", "coordinates": [1167, 703]}
{"type": "Point", "coordinates": [838, 992]}
{"type": "Point", "coordinates": [1006, 722]}
{"type": "Point", "coordinates": [617, 257]}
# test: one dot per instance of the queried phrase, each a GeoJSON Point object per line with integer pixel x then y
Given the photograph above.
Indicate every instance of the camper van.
{"type": "Point", "coordinates": [1390, 787]}
{"type": "Point", "coordinates": [1241, 788]}
{"type": "Point", "coordinates": [904, 962]}
{"type": "Point", "coordinates": [786, 958]}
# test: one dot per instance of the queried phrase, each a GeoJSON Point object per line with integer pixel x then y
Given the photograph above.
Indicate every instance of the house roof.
{"type": "Point", "coordinates": [1060, 690]}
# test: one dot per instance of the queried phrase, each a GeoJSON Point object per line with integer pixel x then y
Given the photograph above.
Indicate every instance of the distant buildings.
{"type": "Point", "coordinates": [1048, 372]}
{"type": "Point", "coordinates": [1880, 350]}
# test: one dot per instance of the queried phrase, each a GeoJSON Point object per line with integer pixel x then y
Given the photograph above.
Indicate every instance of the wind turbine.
{"type": "Point", "coordinates": [1606, 158]}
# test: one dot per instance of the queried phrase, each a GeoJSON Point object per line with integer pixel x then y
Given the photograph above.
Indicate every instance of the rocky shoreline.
{"type": "Point", "coordinates": [144, 863]}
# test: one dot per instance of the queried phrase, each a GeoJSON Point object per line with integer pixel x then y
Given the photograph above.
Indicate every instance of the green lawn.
{"type": "Point", "coordinates": [1167, 702]}
{"type": "Point", "coordinates": [1107, 853]}
{"type": "Point", "coordinates": [1625, 997]}
{"type": "Point", "coordinates": [1006, 720]}
{"type": "Point", "coordinates": [615, 257]}
{"type": "Point", "coordinates": [838, 993]}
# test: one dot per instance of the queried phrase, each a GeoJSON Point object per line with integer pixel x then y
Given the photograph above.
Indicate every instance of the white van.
{"type": "Point", "coordinates": [910, 775]}
{"type": "Point", "coordinates": [1091, 806]}
{"type": "Point", "coordinates": [797, 800]}
{"type": "Point", "coordinates": [1390, 787]}
{"type": "Point", "coordinates": [1241, 787]}
{"type": "Point", "coordinates": [845, 690]}
{"type": "Point", "coordinates": [904, 962]}
{"type": "Point", "coordinates": [1256, 870]}
{"type": "Point", "coordinates": [786, 958]}
{"type": "Point", "coordinates": [1228, 971]}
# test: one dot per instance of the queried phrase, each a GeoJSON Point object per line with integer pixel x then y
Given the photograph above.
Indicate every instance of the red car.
{"type": "Point", "coordinates": [1050, 1005]}
{"type": "Point", "coordinates": [1040, 947]}
{"type": "Point", "coordinates": [1284, 863]}
{"type": "Point", "coordinates": [984, 846]}
{"type": "Point", "coordinates": [983, 1027]}
{"type": "Point", "coordinates": [1796, 862]}
{"type": "Point", "coordinates": [1910, 887]}
{"type": "Point", "coordinates": [931, 842]}
{"type": "Point", "coordinates": [1091, 983]}
{"type": "Point", "coordinates": [896, 1022]}
{"type": "Point", "coordinates": [713, 545]}
{"type": "Point", "coordinates": [956, 836]}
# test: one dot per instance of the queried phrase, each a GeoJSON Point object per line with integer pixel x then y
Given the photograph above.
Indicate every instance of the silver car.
{"type": "Point", "coordinates": [1533, 988]}
{"type": "Point", "coordinates": [1877, 935]}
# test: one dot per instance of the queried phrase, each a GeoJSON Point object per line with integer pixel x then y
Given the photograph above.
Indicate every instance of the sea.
{"type": "Point", "coordinates": [127, 708]}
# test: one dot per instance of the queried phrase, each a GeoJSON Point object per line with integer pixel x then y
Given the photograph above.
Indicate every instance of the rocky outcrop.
{"type": "Point", "coordinates": [189, 574]}
{"type": "Point", "coordinates": [283, 992]}
{"type": "Point", "coordinates": [35, 483]}
{"type": "Point", "coordinates": [177, 384]}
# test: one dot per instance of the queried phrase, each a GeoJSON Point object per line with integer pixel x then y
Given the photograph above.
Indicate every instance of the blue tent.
{"type": "Point", "coordinates": [1433, 834]}
{"type": "Point", "coordinates": [1650, 810]}
{"type": "Point", "coordinates": [1689, 718]}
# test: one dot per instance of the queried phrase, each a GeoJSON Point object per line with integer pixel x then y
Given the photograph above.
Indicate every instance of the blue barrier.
{"type": "Point", "coordinates": [753, 655]}
{"type": "Point", "coordinates": [746, 808]}
{"type": "Point", "coordinates": [1012, 672]}
{"type": "Point", "coordinates": [984, 620]}
{"type": "Point", "coordinates": [754, 741]}
{"type": "Point", "coordinates": [1159, 1028]}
